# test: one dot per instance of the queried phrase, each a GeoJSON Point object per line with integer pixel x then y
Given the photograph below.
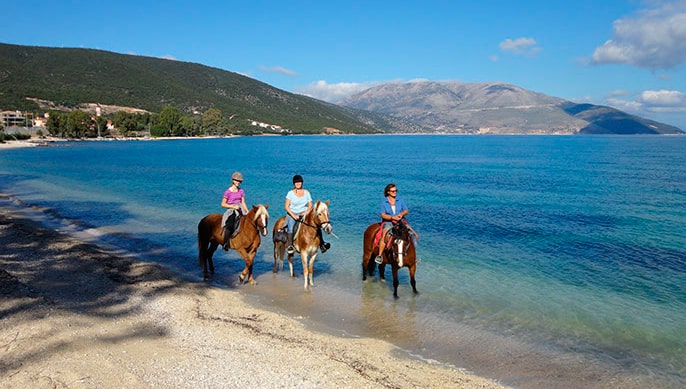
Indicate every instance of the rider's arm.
{"type": "Point", "coordinates": [244, 206]}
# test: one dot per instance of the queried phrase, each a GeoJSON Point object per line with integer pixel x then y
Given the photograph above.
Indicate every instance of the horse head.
{"type": "Point", "coordinates": [401, 241]}
{"type": "Point", "coordinates": [321, 216]}
{"type": "Point", "coordinates": [261, 218]}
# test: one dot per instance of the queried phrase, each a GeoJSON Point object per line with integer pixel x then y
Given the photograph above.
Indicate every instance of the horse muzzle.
{"type": "Point", "coordinates": [327, 227]}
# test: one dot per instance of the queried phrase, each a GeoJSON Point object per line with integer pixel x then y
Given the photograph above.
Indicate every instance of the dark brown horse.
{"type": "Point", "coordinates": [306, 240]}
{"type": "Point", "coordinates": [246, 242]}
{"type": "Point", "coordinates": [399, 253]}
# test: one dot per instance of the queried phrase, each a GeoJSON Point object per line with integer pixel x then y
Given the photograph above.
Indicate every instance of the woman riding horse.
{"type": "Point", "coordinates": [246, 241]}
{"type": "Point", "coordinates": [306, 239]}
{"type": "Point", "coordinates": [400, 252]}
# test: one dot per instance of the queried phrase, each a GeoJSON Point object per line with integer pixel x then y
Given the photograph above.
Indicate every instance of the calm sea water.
{"type": "Point", "coordinates": [546, 261]}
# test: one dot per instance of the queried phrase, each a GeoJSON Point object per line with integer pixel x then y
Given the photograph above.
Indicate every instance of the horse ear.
{"type": "Point", "coordinates": [266, 206]}
{"type": "Point", "coordinates": [327, 202]}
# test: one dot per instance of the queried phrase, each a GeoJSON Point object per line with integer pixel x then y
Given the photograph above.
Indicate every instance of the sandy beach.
{"type": "Point", "coordinates": [73, 315]}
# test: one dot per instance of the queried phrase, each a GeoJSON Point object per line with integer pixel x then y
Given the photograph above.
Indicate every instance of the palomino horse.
{"type": "Point", "coordinates": [306, 240]}
{"type": "Point", "coordinates": [399, 252]}
{"type": "Point", "coordinates": [246, 242]}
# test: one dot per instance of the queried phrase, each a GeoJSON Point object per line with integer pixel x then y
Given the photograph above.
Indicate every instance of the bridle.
{"type": "Point", "coordinates": [401, 238]}
{"type": "Point", "coordinates": [261, 221]}
{"type": "Point", "coordinates": [319, 224]}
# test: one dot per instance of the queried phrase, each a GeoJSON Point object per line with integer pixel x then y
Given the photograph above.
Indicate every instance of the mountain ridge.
{"type": "Point", "coordinates": [73, 76]}
{"type": "Point", "coordinates": [496, 108]}
{"type": "Point", "coordinates": [35, 78]}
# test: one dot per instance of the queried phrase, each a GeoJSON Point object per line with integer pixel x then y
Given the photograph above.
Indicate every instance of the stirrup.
{"type": "Point", "coordinates": [378, 259]}
{"type": "Point", "coordinates": [290, 249]}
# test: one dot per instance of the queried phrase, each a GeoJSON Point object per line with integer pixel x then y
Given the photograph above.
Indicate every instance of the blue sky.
{"type": "Point", "coordinates": [628, 54]}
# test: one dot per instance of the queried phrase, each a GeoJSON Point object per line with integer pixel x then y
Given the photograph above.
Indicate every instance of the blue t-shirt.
{"type": "Point", "coordinates": [388, 210]}
{"type": "Point", "coordinates": [299, 204]}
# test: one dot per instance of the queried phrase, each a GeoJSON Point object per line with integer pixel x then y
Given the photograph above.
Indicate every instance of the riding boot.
{"type": "Point", "coordinates": [289, 242]}
{"type": "Point", "coordinates": [323, 246]}
{"type": "Point", "coordinates": [227, 237]}
{"type": "Point", "coordinates": [378, 258]}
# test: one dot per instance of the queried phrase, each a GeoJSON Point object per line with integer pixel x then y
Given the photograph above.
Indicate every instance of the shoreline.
{"type": "Point", "coordinates": [75, 315]}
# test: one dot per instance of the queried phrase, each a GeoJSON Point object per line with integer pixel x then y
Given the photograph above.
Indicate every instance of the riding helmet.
{"type": "Point", "coordinates": [237, 176]}
{"type": "Point", "coordinates": [297, 178]}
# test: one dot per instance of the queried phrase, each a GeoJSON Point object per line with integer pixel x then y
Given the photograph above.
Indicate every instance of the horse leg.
{"type": "Point", "coordinates": [246, 270]}
{"type": "Point", "coordinates": [366, 256]}
{"type": "Point", "coordinates": [275, 268]}
{"type": "Point", "coordinates": [210, 253]}
{"type": "Point", "coordinates": [413, 268]}
{"type": "Point", "coordinates": [202, 261]}
{"type": "Point", "coordinates": [311, 269]}
{"type": "Point", "coordinates": [306, 274]}
{"type": "Point", "coordinates": [290, 265]}
{"type": "Point", "coordinates": [395, 281]}
{"type": "Point", "coordinates": [382, 271]}
{"type": "Point", "coordinates": [251, 256]}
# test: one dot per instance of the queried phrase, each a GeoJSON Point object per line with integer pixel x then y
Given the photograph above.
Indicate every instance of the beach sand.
{"type": "Point", "coordinates": [73, 315]}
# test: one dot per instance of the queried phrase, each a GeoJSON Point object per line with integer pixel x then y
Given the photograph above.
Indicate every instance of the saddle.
{"type": "Point", "coordinates": [236, 224]}
{"type": "Point", "coordinates": [281, 235]}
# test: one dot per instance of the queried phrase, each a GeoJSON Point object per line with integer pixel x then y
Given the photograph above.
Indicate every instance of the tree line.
{"type": "Point", "coordinates": [169, 122]}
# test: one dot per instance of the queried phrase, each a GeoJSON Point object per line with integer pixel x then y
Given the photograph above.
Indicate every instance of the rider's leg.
{"type": "Point", "coordinates": [382, 246]}
{"type": "Point", "coordinates": [289, 242]}
{"type": "Point", "coordinates": [228, 231]}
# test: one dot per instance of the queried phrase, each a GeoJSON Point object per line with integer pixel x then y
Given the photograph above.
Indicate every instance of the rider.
{"type": "Point", "coordinates": [393, 209]}
{"type": "Point", "coordinates": [234, 202]}
{"type": "Point", "coordinates": [298, 203]}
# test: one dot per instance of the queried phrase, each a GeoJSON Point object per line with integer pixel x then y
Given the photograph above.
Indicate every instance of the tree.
{"type": "Point", "coordinates": [55, 123]}
{"type": "Point", "coordinates": [192, 125]}
{"type": "Point", "coordinates": [170, 121]}
{"type": "Point", "coordinates": [77, 124]}
{"type": "Point", "coordinates": [211, 120]}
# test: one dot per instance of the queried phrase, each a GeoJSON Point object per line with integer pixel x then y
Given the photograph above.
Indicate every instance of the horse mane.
{"type": "Point", "coordinates": [261, 210]}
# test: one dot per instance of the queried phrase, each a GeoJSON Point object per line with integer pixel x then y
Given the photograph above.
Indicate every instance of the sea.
{"type": "Point", "coordinates": [546, 261]}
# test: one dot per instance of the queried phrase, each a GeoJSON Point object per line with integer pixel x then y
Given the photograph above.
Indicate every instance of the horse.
{"type": "Point", "coordinates": [246, 242]}
{"type": "Point", "coordinates": [306, 240]}
{"type": "Point", "coordinates": [399, 253]}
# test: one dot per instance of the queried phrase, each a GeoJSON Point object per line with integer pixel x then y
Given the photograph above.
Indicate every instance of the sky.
{"type": "Point", "coordinates": [627, 54]}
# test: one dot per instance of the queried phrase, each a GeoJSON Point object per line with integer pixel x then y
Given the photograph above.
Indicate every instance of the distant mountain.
{"type": "Point", "coordinates": [496, 108]}
{"type": "Point", "coordinates": [68, 77]}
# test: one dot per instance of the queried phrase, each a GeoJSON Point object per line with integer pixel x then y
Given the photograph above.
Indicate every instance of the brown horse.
{"type": "Point", "coordinates": [246, 242]}
{"type": "Point", "coordinates": [399, 252]}
{"type": "Point", "coordinates": [306, 240]}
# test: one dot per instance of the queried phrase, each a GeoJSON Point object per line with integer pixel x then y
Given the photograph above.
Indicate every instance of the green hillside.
{"type": "Point", "coordinates": [69, 77]}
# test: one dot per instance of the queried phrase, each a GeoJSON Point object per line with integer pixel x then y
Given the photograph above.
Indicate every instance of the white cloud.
{"type": "Point", "coordinates": [655, 38]}
{"type": "Point", "coordinates": [169, 57]}
{"type": "Point", "coordinates": [333, 93]}
{"type": "Point", "coordinates": [520, 46]}
{"type": "Point", "coordinates": [279, 69]}
{"type": "Point", "coordinates": [663, 100]}
{"type": "Point", "coordinates": [650, 101]}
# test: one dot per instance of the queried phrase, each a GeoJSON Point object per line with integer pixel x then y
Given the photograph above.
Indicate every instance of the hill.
{"type": "Point", "coordinates": [497, 108]}
{"type": "Point", "coordinates": [69, 77]}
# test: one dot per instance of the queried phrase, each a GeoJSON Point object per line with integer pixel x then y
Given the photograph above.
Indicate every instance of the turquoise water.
{"type": "Point", "coordinates": [546, 261]}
